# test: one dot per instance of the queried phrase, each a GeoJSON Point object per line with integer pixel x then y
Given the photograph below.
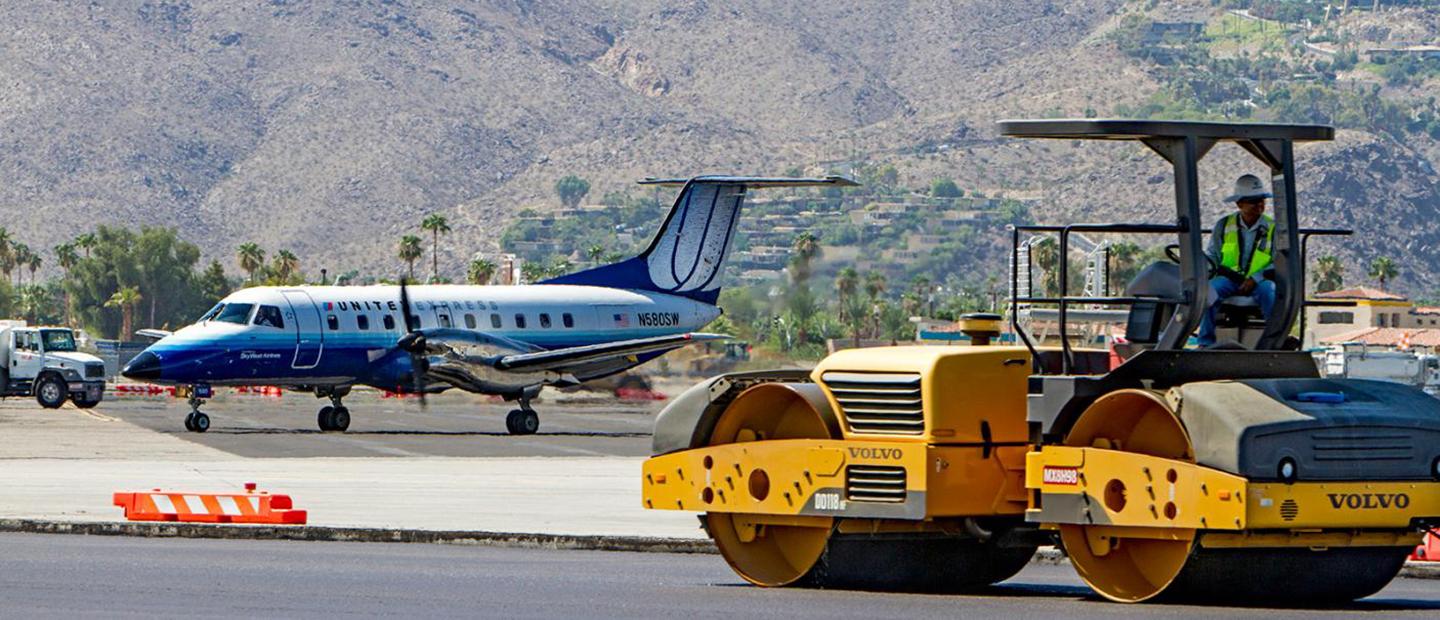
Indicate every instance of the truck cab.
{"type": "Point", "coordinates": [43, 362]}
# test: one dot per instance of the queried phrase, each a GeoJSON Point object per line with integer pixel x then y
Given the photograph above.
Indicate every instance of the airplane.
{"type": "Point", "coordinates": [510, 341]}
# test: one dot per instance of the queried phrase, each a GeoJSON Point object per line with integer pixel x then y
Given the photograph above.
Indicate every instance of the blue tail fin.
{"type": "Point", "coordinates": [688, 255]}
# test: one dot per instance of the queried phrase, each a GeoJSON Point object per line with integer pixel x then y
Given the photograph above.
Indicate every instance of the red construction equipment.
{"type": "Point", "coordinates": [1429, 550]}
{"type": "Point", "coordinates": [248, 507]}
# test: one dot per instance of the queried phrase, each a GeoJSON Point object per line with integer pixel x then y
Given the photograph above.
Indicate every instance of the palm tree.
{"type": "Point", "coordinates": [1329, 274]}
{"type": "Point", "coordinates": [436, 224]}
{"type": "Point", "coordinates": [594, 253]}
{"type": "Point", "coordinates": [34, 264]}
{"type": "Point", "coordinates": [66, 258]}
{"type": "Point", "coordinates": [481, 271]}
{"type": "Point", "coordinates": [1383, 269]}
{"type": "Point", "coordinates": [1047, 258]}
{"type": "Point", "coordinates": [874, 288]}
{"type": "Point", "coordinates": [410, 251]}
{"type": "Point", "coordinates": [286, 265]}
{"type": "Point", "coordinates": [86, 241]}
{"type": "Point", "coordinates": [34, 301]}
{"type": "Point", "coordinates": [852, 308]}
{"type": "Point", "coordinates": [7, 252]}
{"type": "Point", "coordinates": [125, 299]}
{"type": "Point", "coordinates": [803, 250]}
{"type": "Point", "coordinates": [560, 267]}
{"type": "Point", "coordinates": [1124, 263]}
{"type": "Point", "coordinates": [20, 258]}
{"type": "Point", "coordinates": [252, 258]}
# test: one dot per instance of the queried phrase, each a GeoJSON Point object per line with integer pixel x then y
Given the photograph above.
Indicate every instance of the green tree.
{"type": "Point", "coordinates": [594, 253]}
{"type": "Point", "coordinates": [803, 251]}
{"type": "Point", "coordinates": [1046, 253]}
{"type": "Point", "coordinates": [286, 266]}
{"type": "Point", "coordinates": [154, 261]}
{"type": "Point", "coordinates": [1329, 274]}
{"type": "Point", "coordinates": [86, 242]}
{"type": "Point", "coordinates": [410, 251]}
{"type": "Point", "coordinates": [35, 303]}
{"type": "Point", "coordinates": [1124, 264]}
{"type": "Point", "coordinates": [66, 258]}
{"type": "Point", "coordinates": [252, 258]}
{"type": "Point", "coordinates": [1383, 269]}
{"type": "Point", "coordinates": [875, 285]}
{"type": "Point", "coordinates": [946, 188]}
{"type": "Point", "coordinates": [125, 299]}
{"type": "Point", "coordinates": [481, 270]}
{"type": "Point", "coordinates": [213, 285]}
{"type": "Point", "coordinates": [572, 190]}
{"type": "Point", "coordinates": [532, 271]}
{"type": "Point", "coordinates": [7, 253]}
{"type": "Point", "coordinates": [21, 256]}
{"type": "Point", "coordinates": [852, 307]}
{"type": "Point", "coordinates": [437, 225]}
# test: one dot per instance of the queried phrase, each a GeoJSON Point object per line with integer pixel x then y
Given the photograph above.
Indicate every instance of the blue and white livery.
{"type": "Point", "coordinates": [505, 340]}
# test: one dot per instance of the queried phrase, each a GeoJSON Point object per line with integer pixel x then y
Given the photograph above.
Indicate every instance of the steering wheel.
{"type": "Point", "coordinates": [1213, 268]}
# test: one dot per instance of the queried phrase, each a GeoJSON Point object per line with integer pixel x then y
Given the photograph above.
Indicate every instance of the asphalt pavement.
{"type": "Point", "coordinates": [50, 575]}
{"type": "Point", "coordinates": [451, 424]}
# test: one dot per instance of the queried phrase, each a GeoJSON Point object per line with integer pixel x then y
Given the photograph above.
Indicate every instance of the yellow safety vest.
{"type": "Point", "coordinates": [1230, 246]}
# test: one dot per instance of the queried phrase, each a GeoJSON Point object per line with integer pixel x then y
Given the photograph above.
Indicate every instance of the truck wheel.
{"type": "Point", "coordinates": [83, 403]}
{"type": "Point", "coordinates": [50, 391]}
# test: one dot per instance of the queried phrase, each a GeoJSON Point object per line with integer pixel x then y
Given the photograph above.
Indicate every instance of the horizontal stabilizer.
{"type": "Point", "coordinates": [564, 360]}
{"type": "Point", "coordinates": [153, 334]}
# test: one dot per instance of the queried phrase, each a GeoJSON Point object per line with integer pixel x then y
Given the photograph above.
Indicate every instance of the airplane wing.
{"type": "Point", "coordinates": [153, 334]}
{"type": "Point", "coordinates": [573, 358]}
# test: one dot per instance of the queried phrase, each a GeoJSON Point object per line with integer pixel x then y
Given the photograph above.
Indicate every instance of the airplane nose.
{"type": "Point", "coordinates": [142, 367]}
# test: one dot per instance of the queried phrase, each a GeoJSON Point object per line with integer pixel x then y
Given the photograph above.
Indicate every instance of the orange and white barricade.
{"type": "Point", "coordinates": [1429, 549]}
{"type": "Point", "coordinates": [248, 507]}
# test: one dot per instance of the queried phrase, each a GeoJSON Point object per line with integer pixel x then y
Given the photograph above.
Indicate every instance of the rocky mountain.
{"type": "Point", "coordinates": [331, 127]}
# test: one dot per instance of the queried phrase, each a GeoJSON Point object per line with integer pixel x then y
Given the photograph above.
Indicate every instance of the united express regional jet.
{"type": "Point", "coordinates": [504, 340]}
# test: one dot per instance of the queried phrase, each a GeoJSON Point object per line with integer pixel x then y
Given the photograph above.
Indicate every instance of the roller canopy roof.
{"type": "Point", "coordinates": [1118, 129]}
{"type": "Point", "coordinates": [755, 181]}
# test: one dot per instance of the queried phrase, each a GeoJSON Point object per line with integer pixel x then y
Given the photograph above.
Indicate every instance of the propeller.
{"type": "Point", "coordinates": [413, 342]}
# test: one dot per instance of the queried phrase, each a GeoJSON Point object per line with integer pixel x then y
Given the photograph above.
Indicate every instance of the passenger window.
{"type": "Point", "coordinates": [269, 316]}
{"type": "Point", "coordinates": [332, 321]}
{"type": "Point", "coordinates": [544, 320]}
{"type": "Point", "coordinates": [519, 321]}
{"type": "Point", "coordinates": [567, 319]}
{"type": "Point", "coordinates": [362, 321]}
{"type": "Point", "coordinates": [444, 320]}
{"type": "Point", "coordinates": [389, 322]}
{"type": "Point", "coordinates": [495, 321]}
{"type": "Point", "coordinates": [470, 321]}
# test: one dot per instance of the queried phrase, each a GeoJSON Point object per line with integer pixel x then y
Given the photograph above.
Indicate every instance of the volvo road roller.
{"type": "Point", "coordinates": [1227, 474]}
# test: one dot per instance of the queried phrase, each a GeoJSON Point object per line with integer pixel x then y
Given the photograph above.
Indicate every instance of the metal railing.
{"type": "Point", "coordinates": [1067, 361]}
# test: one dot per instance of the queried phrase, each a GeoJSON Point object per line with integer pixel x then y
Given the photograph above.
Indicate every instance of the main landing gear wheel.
{"type": "Point", "coordinates": [333, 418]}
{"type": "Point", "coordinates": [197, 422]}
{"type": "Point", "coordinates": [1129, 569]}
{"type": "Point", "coordinates": [522, 422]}
{"type": "Point", "coordinates": [770, 554]}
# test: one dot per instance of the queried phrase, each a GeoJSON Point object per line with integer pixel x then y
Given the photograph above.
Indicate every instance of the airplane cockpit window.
{"type": "Point", "coordinates": [234, 313]}
{"type": "Point", "coordinates": [389, 322]}
{"type": "Point", "coordinates": [58, 339]}
{"type": "Point", "coordinates": [210, 314]}
{"type": "Point", "coordinates": [544, 320]}
{"type": "Point", "coordinates": [269, 316]}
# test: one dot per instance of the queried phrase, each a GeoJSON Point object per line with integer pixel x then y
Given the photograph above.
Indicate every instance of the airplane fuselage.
{"type": "Point", "coordinates": [317, 336]}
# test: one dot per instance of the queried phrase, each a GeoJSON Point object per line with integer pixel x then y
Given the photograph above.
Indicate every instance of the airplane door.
{"type": "Point", "coordinates": [309, 332]}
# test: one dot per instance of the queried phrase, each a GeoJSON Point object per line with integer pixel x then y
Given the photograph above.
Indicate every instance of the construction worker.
{"type": "Point", "coordinates": [1240, 250]}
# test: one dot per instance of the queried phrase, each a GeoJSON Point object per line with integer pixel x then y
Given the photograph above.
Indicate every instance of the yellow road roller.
{"type": "Point", "coordinates": [1227, 474]}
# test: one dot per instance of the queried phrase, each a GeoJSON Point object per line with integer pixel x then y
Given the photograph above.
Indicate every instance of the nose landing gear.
{"type": "Point", "coordinates": [196, 421]}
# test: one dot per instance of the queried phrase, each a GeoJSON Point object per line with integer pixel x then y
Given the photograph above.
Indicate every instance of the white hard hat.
{"type": "Point", "coordinates": [1248, 186]}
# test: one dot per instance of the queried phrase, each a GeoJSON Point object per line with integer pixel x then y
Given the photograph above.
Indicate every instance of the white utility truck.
{"type": "Point", "coordinates": [1357, 361]}
{"type": "Point", "coordinates": [43, 362]}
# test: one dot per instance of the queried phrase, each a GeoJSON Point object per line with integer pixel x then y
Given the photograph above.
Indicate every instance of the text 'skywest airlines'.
{"type": "Point", "coordinates": [505, 340]}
